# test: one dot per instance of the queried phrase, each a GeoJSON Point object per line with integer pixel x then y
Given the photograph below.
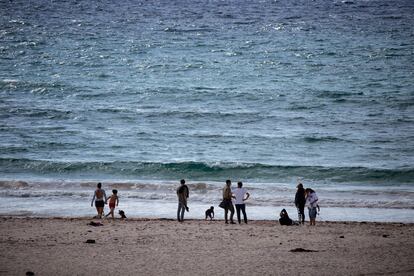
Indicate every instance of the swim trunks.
{"type": "Point", "coordinates": [99, 203]}
{"type": "Point", "coordinates": [111, 205]}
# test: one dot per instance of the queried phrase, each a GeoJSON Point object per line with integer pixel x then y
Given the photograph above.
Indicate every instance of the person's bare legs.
{"type": "Point", "coordinates": [101, 212]}
{"type": "Point", "coordinates": [112, 212]}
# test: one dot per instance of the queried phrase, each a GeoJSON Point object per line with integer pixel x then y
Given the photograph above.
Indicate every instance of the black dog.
{"type": "Point", "coordinates": [210, 213]}
{"type": "Point", "coordinates": [122, 214]}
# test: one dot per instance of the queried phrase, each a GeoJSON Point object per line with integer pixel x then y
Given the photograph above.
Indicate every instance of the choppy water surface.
{"type": "Point", "coordinates": [268, 92]}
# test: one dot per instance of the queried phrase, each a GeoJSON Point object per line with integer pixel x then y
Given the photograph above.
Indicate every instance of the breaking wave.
{"type": "Point", "coordinates": [218, 171]}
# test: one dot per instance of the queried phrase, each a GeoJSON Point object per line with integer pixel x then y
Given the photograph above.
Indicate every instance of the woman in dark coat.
{"type": "Point", "coordinates": [300, 201]}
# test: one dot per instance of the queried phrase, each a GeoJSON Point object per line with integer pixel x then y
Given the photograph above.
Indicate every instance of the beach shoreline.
{"type": "Point", "coordinates": [338, 203]}
{"type": "Point", "coordinates": [216, 219]}
{"type": "Point", "coordinates": [162, 246]}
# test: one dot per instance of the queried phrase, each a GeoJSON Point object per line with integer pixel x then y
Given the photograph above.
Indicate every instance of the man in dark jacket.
{"type": "Point", "coordinates": [182, 194]}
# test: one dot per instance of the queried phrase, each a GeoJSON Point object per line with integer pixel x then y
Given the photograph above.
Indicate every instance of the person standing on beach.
{"type": "Point", "coordinates": [228, 203]}
{"type": "Point", "coordinates": [312, 203]}
{"type": "Point", "coordinates": [100, 200]}
{"type": "Point", "coordinates": [300, 201]}
{"type": "Point", "coordinates": [182, 194]}
{"type": "Point", "coordinates": [239, 194]}
{"type": "Point", "coordinates": [113, 201]}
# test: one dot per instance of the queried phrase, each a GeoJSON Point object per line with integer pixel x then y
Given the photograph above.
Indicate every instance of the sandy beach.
{"type": "Point", "coordinates": [58, 246]}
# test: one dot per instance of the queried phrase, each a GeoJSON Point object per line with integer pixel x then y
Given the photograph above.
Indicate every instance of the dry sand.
{"type": "Point", "coordinates": [57, 246]}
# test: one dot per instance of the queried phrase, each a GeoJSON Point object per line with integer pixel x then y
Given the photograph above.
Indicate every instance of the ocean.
{"type": "Point", "coordinates": [140, 94]}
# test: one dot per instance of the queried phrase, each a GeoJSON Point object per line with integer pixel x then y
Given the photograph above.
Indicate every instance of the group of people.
{"type": "Point", "coordinates": [100, 199]}
{"type": "Point", "coordinates": [240, 195]}
{"type": "Point", "coordinates": [304, 197]}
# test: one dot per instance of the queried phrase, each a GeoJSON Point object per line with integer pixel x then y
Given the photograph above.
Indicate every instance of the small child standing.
{"type": "Point", "coordinates": [113, 199]}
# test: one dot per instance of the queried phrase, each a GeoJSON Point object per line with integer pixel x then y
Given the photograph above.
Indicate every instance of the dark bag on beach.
{"type": "Point", "coordinates": [222, 204]}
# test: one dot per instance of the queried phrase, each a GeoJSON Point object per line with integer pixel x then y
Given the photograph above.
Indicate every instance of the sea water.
{"type": "Point", "coordinates": [139, 94]}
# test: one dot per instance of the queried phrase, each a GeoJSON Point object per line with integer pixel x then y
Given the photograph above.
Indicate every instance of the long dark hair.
{"type": "Point", "coordinates": [309, 190]}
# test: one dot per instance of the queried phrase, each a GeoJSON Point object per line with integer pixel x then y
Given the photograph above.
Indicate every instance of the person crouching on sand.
{"type": "Point", "coordinates": [182, 194]}
{"type": "Point", "coordinates": [228, 204]}
{"type": "Point", "coordinates": [113, 199]}
{"type": "Point", "coordinates": [100, 200]}
{"type": "Point", "coordinates": [312, 203]}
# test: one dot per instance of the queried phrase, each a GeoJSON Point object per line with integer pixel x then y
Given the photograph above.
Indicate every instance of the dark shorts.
{"type": "Point", "coordinates": [99, 203]}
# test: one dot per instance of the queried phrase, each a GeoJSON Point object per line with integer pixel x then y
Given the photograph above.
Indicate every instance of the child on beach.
{"type": "Point", "coordinates": [113, 199]}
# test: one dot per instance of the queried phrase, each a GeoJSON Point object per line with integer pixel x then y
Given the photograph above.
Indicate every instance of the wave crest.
{"type": "Point", "coordinates": [215, 171]}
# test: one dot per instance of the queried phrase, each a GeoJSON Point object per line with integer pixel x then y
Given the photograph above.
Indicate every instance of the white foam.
{"type": "Point", "coordinates": [146, 208]}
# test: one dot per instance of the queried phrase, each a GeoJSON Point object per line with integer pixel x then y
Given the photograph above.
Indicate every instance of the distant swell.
{"type": "Point", "coordinates": [206, 171]}
{"type": "Point", "coordinates": [321, 139]}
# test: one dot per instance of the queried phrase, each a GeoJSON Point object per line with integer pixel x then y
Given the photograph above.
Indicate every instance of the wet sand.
{"type": "Point", "coordinates": [58, 246]}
